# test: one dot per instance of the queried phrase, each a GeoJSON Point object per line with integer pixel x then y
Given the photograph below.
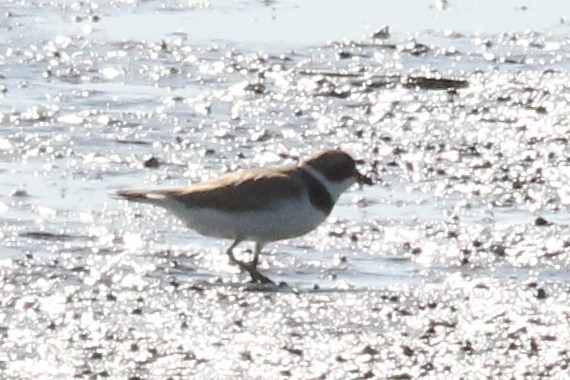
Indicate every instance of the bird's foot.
{"type": "Point", "coordinates": [259, 278]}
{"type": "Point", "coordinates": [251, 268]}
{"type": "Point", "coordinates": [256, 277]}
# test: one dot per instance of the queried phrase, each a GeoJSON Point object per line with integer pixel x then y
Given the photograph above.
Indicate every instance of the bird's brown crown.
{"type": "Point", "coordinates": [335, 165]}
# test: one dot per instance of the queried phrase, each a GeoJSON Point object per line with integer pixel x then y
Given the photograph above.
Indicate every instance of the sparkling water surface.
{"type": "Point", "coordinates": [455, 263]}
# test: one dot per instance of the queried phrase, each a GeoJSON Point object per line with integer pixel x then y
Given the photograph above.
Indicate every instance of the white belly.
{"type": "Point", "coordinates": [286, 221]}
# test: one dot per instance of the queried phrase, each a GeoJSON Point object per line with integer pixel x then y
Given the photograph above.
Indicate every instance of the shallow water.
{"type": "Point", "coordinates": [459, 112]}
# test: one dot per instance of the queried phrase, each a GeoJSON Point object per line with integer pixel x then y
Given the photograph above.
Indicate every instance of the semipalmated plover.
{"type": "Point", "coordinates": [260, 205]}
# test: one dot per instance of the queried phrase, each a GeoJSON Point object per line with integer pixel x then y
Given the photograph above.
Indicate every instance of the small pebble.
{"type": "Point", "coordinates": [19, 193]}
{"type": "Point", "coordinates": [541, 222]}
{"type": "Point", "coordinates": [151, 162]}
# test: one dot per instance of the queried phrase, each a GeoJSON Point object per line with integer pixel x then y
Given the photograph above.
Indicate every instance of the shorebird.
{"type": "Point", "coordinates": [261, 205]}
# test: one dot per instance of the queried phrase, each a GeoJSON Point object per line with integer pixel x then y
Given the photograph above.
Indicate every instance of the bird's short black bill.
{"type": "Point", "coordinates": [364, 180]}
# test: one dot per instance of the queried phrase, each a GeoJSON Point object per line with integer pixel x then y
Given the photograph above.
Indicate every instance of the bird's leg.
{"type": "Point", "coordinates": [251, 267]}
{"type": "Point", "coordinates": [258, 248]}
{"type": "Point", "coordinates": [230, 253]}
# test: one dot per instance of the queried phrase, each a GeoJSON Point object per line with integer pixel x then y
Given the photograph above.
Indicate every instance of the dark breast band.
{"type": "Point", "coordinates": [319, 196]}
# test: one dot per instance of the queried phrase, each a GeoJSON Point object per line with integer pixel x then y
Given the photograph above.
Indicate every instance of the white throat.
{"type": "Point", "coordinates": [335, 189]}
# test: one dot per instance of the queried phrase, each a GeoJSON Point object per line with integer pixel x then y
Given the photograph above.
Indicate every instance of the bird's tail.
{"type": "Point", "coordinates": [142, 196]}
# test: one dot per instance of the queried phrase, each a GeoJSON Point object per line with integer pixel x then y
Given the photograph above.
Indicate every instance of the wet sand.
{"type": "Point", "coordinates": [75, 323]}
{"type": "Point", "coordinates": [454, 265]}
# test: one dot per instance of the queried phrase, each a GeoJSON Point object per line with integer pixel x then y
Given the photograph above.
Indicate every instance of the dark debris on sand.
{"type": "Point", "coordinates": [122, 324]}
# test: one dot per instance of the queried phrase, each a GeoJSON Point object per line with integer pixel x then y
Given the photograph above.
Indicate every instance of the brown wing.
{"type": "Point", "coordinates": [248, 190]}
